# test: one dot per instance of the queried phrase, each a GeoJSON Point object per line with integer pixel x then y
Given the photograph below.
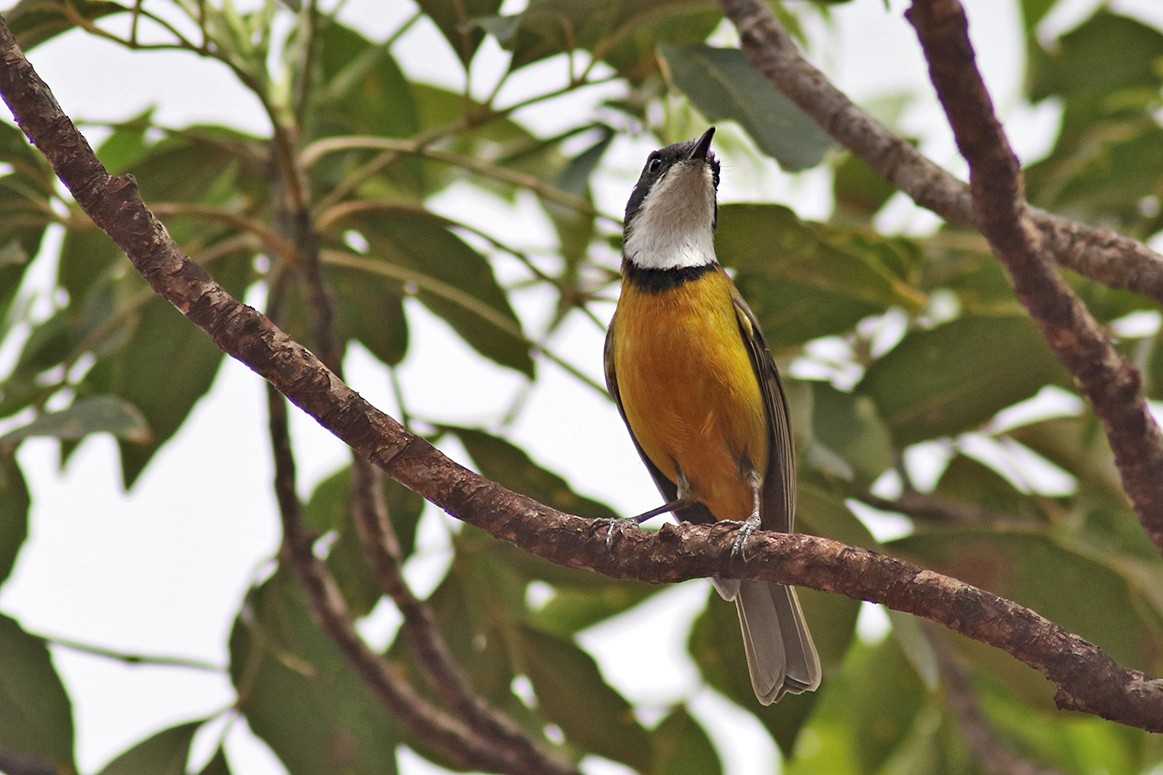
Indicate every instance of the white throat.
{"type": "Point", "coordinates": [674, 228]}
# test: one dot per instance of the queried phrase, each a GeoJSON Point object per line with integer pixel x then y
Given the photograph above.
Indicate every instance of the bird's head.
{"type": "Point", "coordinates": [671, 216]}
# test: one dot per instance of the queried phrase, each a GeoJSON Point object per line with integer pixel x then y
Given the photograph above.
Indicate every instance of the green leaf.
{"type": "Point", "coordinates": [572, 694]}
{"type": "Point", "coordinates": [864, 715]}
{"type": "Point", "coordinates": [681, 747]}
{"type": "Point", "coordinates": [14, 505]}
{"type": "Point", "coordinates": [951, 378]}
{"type": "Point", "coordinates": [162, 754]}
{"type": "Point", "coordinates": [806, 280]}
{"type": "Point", "coordinates": [1079, 445]}
{"type": "Point", "coordinates": [88, 258]}
{"type": "Point", "coordinates": [206, 164]}
{"type": "Point", "coordinates": [477, 604]}
{"type": "Point", "coordinates": [1104, 605]}
{"type": "Point", "coordinates": [369, 309]}
{"type": "Point", "coordinates": [961, 262]}
{"type": "Point", "coordinates": [24, 216]}
{"type": "Point", "coordinates": [35, 21]}
{"type": "Point", "coordinates": [146, 374]}
{"type": "Point", "coordinates": [511, 467]}
{"type": "Point", "coordinates": [329, 506]}
{"type": "Point", "coordinates": [577, 606]}
{"type": "Point", "coordinates": [1079, 66]}
{"type": "Point", "coordinates": [848, 426]}
{"type": "Point", "coordinates": [624, 33]}
{"type": "Point", "coordinates": [217, 765]}
{"type": "Point", "coordinates": [99, 414]}
{"type": "Point", "coordinates": [575, 228]}
{"type": "Point", "coordinates": [967, 481]}
{"type": "Point", "coordinates": [361, 90]}
{"type": "Point", "coordinates": [1104, 172]}
{"type": "Point", "coordinates": [723, 85]}
{"type": "Point", "coordinates": [286, 670]}
{"type": "Point", "coordinates": [454, 21]}
{"type": "Point", "coordinates": [127, 144]}
{"type": "Point", "coordinates": [452, 280]}
{"type": "Point", "coordinates": [35, 715]}
{"type": "Point", "coordinates": [47, 345]}
{"type": "Point", "coordinates": [1032, 12]}
{"type": "Point", "coordinates": [1067, 743]}
{"type": "Point", "coordinates": [859, 191]}
{"type": "Point", "coordinates": [330, 509]}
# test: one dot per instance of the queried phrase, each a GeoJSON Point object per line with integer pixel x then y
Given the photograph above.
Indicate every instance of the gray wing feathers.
{"type": "Point", "coordinates": [780, 654]}
{"type": "Point", "coordinates": [779, 481]}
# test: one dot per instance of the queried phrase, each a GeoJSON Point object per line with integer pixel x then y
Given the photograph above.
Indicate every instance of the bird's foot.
{"type": "Point", "coordinates": [618, 526]}
{"type": "Point", "coordinates": [746, 528]}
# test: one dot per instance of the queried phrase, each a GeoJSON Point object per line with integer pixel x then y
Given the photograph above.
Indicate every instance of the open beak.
{"type": "Point", "coordinates": [702, 145]}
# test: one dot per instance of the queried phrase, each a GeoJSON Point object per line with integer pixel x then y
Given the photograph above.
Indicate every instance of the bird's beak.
{"type": "Point", "coordinates": [702, 145]}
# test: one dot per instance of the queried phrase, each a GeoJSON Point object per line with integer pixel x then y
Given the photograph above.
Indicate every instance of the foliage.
{"type": "Point", "coordinates": [933, 352]}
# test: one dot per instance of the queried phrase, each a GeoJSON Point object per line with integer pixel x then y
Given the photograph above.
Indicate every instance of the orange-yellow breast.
{"type": "Point", "coordinates": [689, 390]}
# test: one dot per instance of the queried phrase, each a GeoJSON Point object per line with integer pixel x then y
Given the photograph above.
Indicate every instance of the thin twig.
{"type": "Point", "coordinates": [320, 148]}
{"type": "Point", "coordinates": [936, 509]}
{"type": "Point", "coordinates": [131, 658]}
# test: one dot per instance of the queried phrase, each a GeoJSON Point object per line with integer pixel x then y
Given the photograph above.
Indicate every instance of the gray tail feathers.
{"type": "Point", "coordinates": [780, 654]}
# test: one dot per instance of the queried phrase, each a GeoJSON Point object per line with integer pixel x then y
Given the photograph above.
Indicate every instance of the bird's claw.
{"type": "Point", "coordinates": [746, 528]}
{"type": "Point", "coordinates": [617, 526]}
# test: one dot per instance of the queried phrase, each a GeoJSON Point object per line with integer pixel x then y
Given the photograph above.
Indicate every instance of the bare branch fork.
{"type": "Point", "coordinates": [1105, 256]}
{"type": "Point", "coordinates": [1087, 679]}
{"type": "Point", "coordinates": [1027, 241]}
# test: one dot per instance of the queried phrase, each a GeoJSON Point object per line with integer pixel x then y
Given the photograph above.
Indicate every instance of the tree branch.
{"type": "Point", "coordinates": [495, 740]}
{"type": "Point", "coordinates": [1105, 256]}
{"type": "Point", "coordinates": [465, 745]}
{"type": "Point", "coordinates": [935, 508]}
{"type": "Point", "coordinates": [1087, 679]}
{"type": "Point", "coordinates": [1112, 385]}
{"type": "Point", "coordinates": [441, 669]}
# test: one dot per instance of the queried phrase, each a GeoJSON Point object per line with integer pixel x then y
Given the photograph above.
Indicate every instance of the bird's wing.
{"type": "Point", "coordinates": [779, 481]}
{"type": "Point", "coordinates": [669, 490]}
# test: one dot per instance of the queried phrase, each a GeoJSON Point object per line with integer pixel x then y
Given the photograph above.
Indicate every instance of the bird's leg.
{"type": "Point", "coordinates": [752, 523]}
{"type": "Point", "coordinates": [618, 524]}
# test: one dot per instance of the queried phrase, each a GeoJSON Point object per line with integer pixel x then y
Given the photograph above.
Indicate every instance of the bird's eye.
{"type": "Point", "coordinates": [654, 165]}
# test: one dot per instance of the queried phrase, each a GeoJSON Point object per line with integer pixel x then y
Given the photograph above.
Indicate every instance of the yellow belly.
{"type": "Point", "coordinates": [689, 390]}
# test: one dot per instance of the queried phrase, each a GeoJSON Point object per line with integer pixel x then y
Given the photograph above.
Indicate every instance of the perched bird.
{"type": "Point", "coordinates": [697, 387]}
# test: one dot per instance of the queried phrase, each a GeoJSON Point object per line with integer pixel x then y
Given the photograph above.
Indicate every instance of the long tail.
{"type": "Point", "coordinates": [780, 654]}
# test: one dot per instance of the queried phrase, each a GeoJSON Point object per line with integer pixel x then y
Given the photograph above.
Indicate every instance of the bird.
{"type": "Point", "coordinates": [695, 383]}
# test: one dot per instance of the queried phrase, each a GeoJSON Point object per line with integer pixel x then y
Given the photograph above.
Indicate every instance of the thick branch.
{"type": "Point", "coordinates": [1112, 385]}
{"type": "Point", "coordinates": [1104, 256]}
{"type": "Point", "coordinates": [1087, 679]}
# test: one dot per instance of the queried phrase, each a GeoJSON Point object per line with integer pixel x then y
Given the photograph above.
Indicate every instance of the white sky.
{"type": "Point", "coordinates": [135, 573]}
